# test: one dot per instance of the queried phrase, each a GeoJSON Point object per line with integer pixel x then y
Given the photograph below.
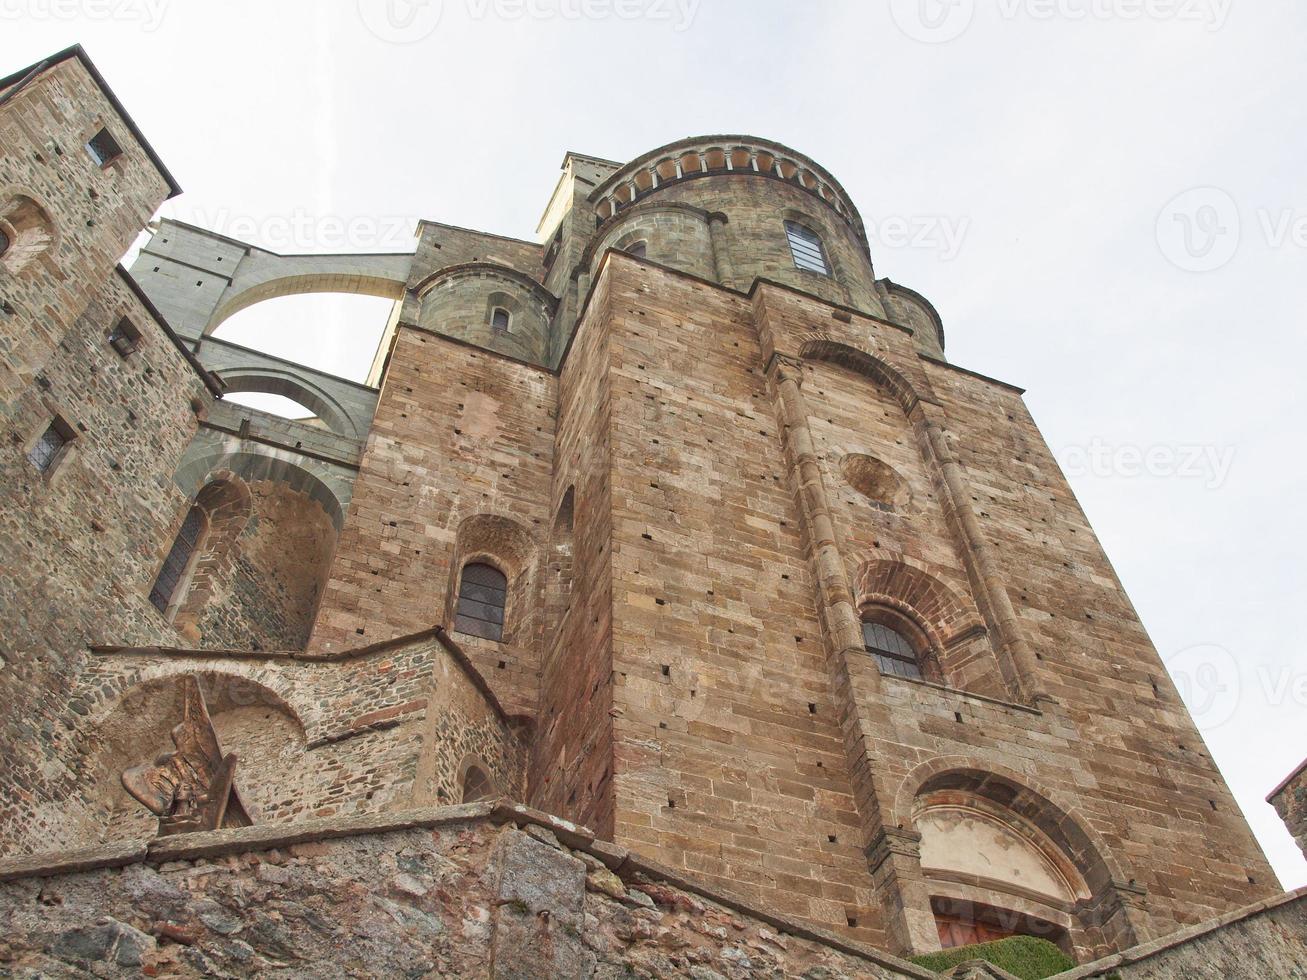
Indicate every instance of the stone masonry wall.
{"type": "Point", "coordinates": [387, 728]}
{"type": "Point", "coordinates": [458, 433]}
{"type": "Point", "coordinates": [476, 891]}
{"type": "Point", "coordinates": [44, 128]}
{"type": "Point", "coordinates": [81, 548]}
{"type": "Point", "coordinates": [728, 758]}
{"type": "Point", "coordinates": [1290, 802]}
{"type": "Point", "coordinates": [268, 599]}
{"type": "Point", "coordinates": [572, 764]}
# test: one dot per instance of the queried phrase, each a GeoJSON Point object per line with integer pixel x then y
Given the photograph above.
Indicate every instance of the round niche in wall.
{"type": "Point", "coordinates": [879, 482]}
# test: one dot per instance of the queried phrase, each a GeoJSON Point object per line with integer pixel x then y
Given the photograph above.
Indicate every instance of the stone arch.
{"type": "Point", "coordinates": [504, 544]}
{"type": "Point", "coordinates": [31, 232]}
{"type": "Point", "coordinates": [269, 276]}
{"type": "Point", "coordinates": [252, 719]}
{"type": "Point", "coordinates": [904, 582]}
{"type": "Point", "coordinates": [304, 475]}
{"type": "Point", "coordinates": [1102, 913]}
{"type": "Point", "coordinates": [298, 389]}
{"type": "Point", "coordinates": [818, 347]}
{"type": "Point", "coordinates": [226, 504]}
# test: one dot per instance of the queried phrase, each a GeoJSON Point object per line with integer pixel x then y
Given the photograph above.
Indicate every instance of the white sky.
{"type": "Point", "coordinates": [1035, 150]}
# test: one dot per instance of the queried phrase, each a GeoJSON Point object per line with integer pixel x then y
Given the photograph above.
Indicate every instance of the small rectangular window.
{"type": "Point", "coordinates": [104, 149]}
{"type": "Point", "coordinates": [500, 320]}
{"type": "Point", "coordinates": [45, 453]}
{"type": "Point", "coordinates": [124, 337]}
{"type": "Point", "coordinates": [806, 247]}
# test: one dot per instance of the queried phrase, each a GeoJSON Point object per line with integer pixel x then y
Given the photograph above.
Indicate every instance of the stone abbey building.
{"type": "Point", "coordinates": [676, 526]}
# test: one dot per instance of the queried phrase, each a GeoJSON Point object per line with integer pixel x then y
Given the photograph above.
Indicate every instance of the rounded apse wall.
{"type": "Point", "coordinates": [491, 307]}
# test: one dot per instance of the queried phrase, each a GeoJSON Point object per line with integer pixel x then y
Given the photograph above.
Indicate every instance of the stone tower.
{"type": "Point", "coordinates": [677, 524]}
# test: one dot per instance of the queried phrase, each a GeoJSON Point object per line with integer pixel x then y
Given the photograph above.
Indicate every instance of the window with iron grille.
{"type": "Point", "coordinates": [104, 149]}
{"type": "Point", "coordinates": [638, 249]}
{"type": "Point", "coordinates": [124, 337]}
{"type": "Point", "coordinates": [806, 247]}
{"type": "Point", "coordinates": [894, 654]}
{"type": "Point", "coordinates": [178, 561]}
{"type": "Point", "coordinates": [482, 594]}
{"type": "Point", "coordinates": [500, 319]}
{"type": "Point", "coordinates": [477, 786]}
{"type": "Point", "coordinates": [45, 453]}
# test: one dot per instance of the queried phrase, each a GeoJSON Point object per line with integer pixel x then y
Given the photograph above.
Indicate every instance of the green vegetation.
{"type": "Point", "coordinates": [1022, 956]}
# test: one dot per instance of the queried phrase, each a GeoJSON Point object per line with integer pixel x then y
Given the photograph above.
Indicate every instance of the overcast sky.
{"type": "Point", "coordinates": [1106, 200]}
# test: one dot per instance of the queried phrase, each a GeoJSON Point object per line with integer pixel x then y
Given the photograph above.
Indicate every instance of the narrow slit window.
{"type": "Point", "coordinates": [501, 320]}
{"type": "Point", "coordinates": [178, 561]}
{"type": "Point", "coordinates": [639, 249]}
{"type": "Point", "coordinates": [124, 338]}
{"type": "Point", "coordinates": [806, 247]}
{"type": "Point", "coordinates": [45, 453]}
{"type": "Point", "coordinates": [477, 786]}
{"type": "Point", "coordinates": [4, 242]}
{"type": "Point", "coordinates": [894, 654]}
{"type": "Point", "coordinates": [104, 149]}
{"type": "Point", "coordinates": [482, 595]}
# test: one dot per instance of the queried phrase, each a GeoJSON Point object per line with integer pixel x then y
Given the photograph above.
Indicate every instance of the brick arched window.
{"type": "Point", "coordinates": [482, 595]}
{"type": "Point", "coordinates": [897, 644]}
{"type": "Point", "coordinates": [181, 558]}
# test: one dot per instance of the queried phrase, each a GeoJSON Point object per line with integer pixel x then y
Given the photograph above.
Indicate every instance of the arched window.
{"type": "Point", "coordinates": [894, 654]}
{"type": "Point", "coordinates": [477, 785]}
{"type": "Point", "coordinates": [482, 593]}
{"type": "Point", "coordinates": [806, 247]}
{"type": "Point", "coordinates": [178, 562]}
{"type": "Point", "coordinates": [4, 242]}
{"type": "Point", "coordinates": [500, 320]}
{"type": "Point", "coordinates": [638, 249]}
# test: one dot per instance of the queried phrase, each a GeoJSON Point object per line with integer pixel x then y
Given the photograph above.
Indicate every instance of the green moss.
{"type": "Point", "coordinates": [1022, 956]}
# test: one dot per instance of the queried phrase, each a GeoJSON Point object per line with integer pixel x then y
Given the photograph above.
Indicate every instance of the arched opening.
{"type": "Point", "coordinates": [482, 597]}
{"type": "Point", "coordinates": [899, 646]}
{"type": "Point", "coordinates": [250, 719]}
{"type": "Point", "coordinates": [283, 394]}
{"type": "Point", "coordinates": [477, 786]}
{"type": "Point", "coordinates": [492, 588]}
{"type": "Point", "coordinates": [201, 545]}
{"type": "Point", "coordinates": [336, 333]}
{"type": "Point", "coordinates": [999, 856]}
{"type": "Point", "coordinates": [806, 248]}
{"type": "Point", "coordinates": [28, 233]}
